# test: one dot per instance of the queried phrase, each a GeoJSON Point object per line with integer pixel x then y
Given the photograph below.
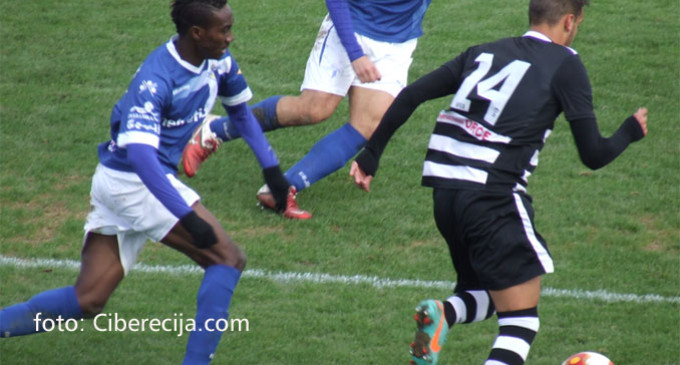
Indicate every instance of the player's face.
{"type": "Point", "coordinates": [217, 36]}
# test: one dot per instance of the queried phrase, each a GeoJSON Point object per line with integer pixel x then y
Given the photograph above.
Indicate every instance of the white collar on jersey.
{"type": "Point", "coordinates": [173, 51]}
{"type": "Point", "coordinates": [537, 35]}
{"type": "Point", "coordinates": [544, 38]}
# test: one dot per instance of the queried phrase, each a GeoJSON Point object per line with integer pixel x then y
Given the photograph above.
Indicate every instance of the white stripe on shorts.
{"type": "Point", "coordinates": [541, 252]}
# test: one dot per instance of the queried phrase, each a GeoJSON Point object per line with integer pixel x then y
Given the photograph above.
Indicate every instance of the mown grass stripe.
{"type": "Point", "coordinates": [321, 278]}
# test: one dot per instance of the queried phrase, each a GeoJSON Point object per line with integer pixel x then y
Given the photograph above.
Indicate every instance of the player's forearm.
{"type": "Point", "coordinates": [144, 160]}
{"type": "Point", "coordinates": [339, 12]}
{"type": "Point", "coordinates": [252, 133]}
{"type": "Point", "coordinates": [436, 84]}
{"type": "Point", "coordinates": [596, 151]}
{"type": "Point", "coordinates": [395, 116]}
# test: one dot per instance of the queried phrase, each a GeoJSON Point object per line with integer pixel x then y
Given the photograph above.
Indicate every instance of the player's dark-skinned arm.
{"type": "Point", "coordinates": [251, 132]}
{"type": "Point", "coordinates": [437, 83]}
{"type": "Point", "coordinates": [364, 68]}
{"type": "Point", "coordinates": [144, 160]}
{"type": "Point", "coordinates": [573, 89]}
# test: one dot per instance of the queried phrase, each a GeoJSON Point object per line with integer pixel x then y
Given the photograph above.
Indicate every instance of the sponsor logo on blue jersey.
{"type": "Point", "coordinates": [198, 116]}
{"type": "Point", "coordinates": [151, 86]}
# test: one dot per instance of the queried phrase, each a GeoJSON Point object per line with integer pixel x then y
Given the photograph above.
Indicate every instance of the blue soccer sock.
{"type": "Point", "coordinates": [23, 318]}
{"type": "Point", "coordinates": [326, 156]}
{"type": "Point", "coordinates": [264, 111]}
{"type": "Point", "coordinates": [214, 297]}
{"type": "Point", "coordinates": [224, 129]}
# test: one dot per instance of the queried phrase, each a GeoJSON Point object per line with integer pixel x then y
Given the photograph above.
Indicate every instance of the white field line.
{"type": "Point", "coordinates": [295, 277]}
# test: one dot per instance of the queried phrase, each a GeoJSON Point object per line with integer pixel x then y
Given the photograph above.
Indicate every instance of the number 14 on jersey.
{"type": "Point", "coordinates": [508, 78]}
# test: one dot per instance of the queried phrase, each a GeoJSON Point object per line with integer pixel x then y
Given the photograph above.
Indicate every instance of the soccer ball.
{"type": "Point", "coordinates": [587, 358]}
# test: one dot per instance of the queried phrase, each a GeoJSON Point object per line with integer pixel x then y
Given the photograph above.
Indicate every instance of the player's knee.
{"type": "Point", "coordinates": [314, 113]}
{"type": "Point", "coordinates": [319, 114]}
{"type": "Point", "coordinates": [228, 254]}
{"type": "Point", "coordinates": [91, 305]}
{"type": "Point", "coordinates": [239, 259]}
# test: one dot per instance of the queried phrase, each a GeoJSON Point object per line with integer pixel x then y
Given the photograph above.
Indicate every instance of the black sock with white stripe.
{"type": "Point", "coordinates": [468, 306]}
{"type": "Point", "coordinates": [517, 332]}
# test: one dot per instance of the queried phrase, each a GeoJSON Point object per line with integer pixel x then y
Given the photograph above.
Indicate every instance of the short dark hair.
{"type": "Point", "coordinates": [187, 13]}
{"type": "Point", "coordinates": [550, 11]}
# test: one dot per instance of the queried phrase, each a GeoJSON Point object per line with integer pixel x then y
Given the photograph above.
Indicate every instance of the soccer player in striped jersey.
{"type": "Point", "coordinates": [135, 195]}
{"type": "Point", "coordinates": [363, 50]}
{"type": "Point", "coordinates": [508, 95]}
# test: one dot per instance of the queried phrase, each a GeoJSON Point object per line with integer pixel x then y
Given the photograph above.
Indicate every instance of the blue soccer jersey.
{"type": "Point", "coordinates": [393, 21]}
{"type": "Point", "coordinates": [165, 100]}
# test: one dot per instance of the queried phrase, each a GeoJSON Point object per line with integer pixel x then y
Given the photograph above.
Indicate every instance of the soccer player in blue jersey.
{"type": "Point", "coordinates": [363, 50]}
{"type": "Point", "coordinates": [484, 147]}
{"type": "Point", "coordinates": [135, 195]}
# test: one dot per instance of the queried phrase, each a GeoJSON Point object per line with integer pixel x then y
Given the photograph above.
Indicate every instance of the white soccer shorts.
{"type": "Point", "coordinates": [122, 205]}
{"type": "Point", "coordinates": [330, 70]}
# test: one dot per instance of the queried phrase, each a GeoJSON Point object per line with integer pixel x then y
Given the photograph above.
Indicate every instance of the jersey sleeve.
{"type": "Point", "coordinates": [141, 110]}
{"type": "Point", "coordinates": [574, 92]}
{"type": "Point", "coordinates": [144, 161]}
{"type": "Point", "coordinates": [572, 88]}
{"type": "Point", "coordinates": [245, 122]}
{"type": "Point", "coordinates": [232, 87]}
{"type": "Point", "coordinates": [596, 151]}
{"type": "Point", "coordinates": [340, 14]}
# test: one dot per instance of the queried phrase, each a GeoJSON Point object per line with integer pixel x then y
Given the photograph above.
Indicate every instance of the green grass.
{"type": "Point", "coordinates": [63, 64]}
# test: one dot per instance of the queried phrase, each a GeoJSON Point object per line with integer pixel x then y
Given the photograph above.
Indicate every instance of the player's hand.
{"type": "Point", "coordinates": [278, 185]}
{"type": "Point", "coordinates": [365, 69]}
{"type": "Point", "coordinates": [362, 180]}
{"type": "Point", "coordinates": [202, 234]}
{"type": "Point", "coordinates": [641, 116]}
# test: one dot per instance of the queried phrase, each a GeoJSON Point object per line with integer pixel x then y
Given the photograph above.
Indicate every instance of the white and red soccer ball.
{"type": "Point", "coordinates": [587, 358]}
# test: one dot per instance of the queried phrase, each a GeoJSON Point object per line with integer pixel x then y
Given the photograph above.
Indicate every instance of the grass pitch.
{"type": "Point", "coordinates": [63, 64]}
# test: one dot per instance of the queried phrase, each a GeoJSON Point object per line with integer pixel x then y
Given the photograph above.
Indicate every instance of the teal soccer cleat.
{"type": "Point", "coordinates": [430, 332]}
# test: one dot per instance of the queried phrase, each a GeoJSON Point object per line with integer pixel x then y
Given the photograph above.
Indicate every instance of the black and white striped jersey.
{"type": "Point", "coordinates": [507, 96]}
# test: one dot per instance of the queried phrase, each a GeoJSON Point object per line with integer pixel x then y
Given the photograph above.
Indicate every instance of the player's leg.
{"type": "Point", "coordinates": [509, 261]}
{"type": "Point", "coordinates": [367, 107]}
{"type": "Point", "coordinates": [101, 272]}
{"type": "Point", "coordinates": [470, 302]}
{"type": "Point", "coordinates": [310, 107]}
{"type": "Point", "coordinates": [367, 102]}
{"type": "Point", "coordinates": [433, 317]}
{"type": "Point", "coordinates": [224, 252]}
{"type": "Point", "coordinates": [223, 264]}
{"type": "Point", "coordinates": [518, 322]}
{"type": "Point", "coordinates": [99, 276]}
{"type": "Point", "coordinates": [468, 306]}
{"type": "Point", "coordinates": [332, 152]}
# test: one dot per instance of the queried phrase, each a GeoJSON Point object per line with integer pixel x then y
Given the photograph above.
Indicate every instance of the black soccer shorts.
{"type": "Point", "coordinates": [491, 238]}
